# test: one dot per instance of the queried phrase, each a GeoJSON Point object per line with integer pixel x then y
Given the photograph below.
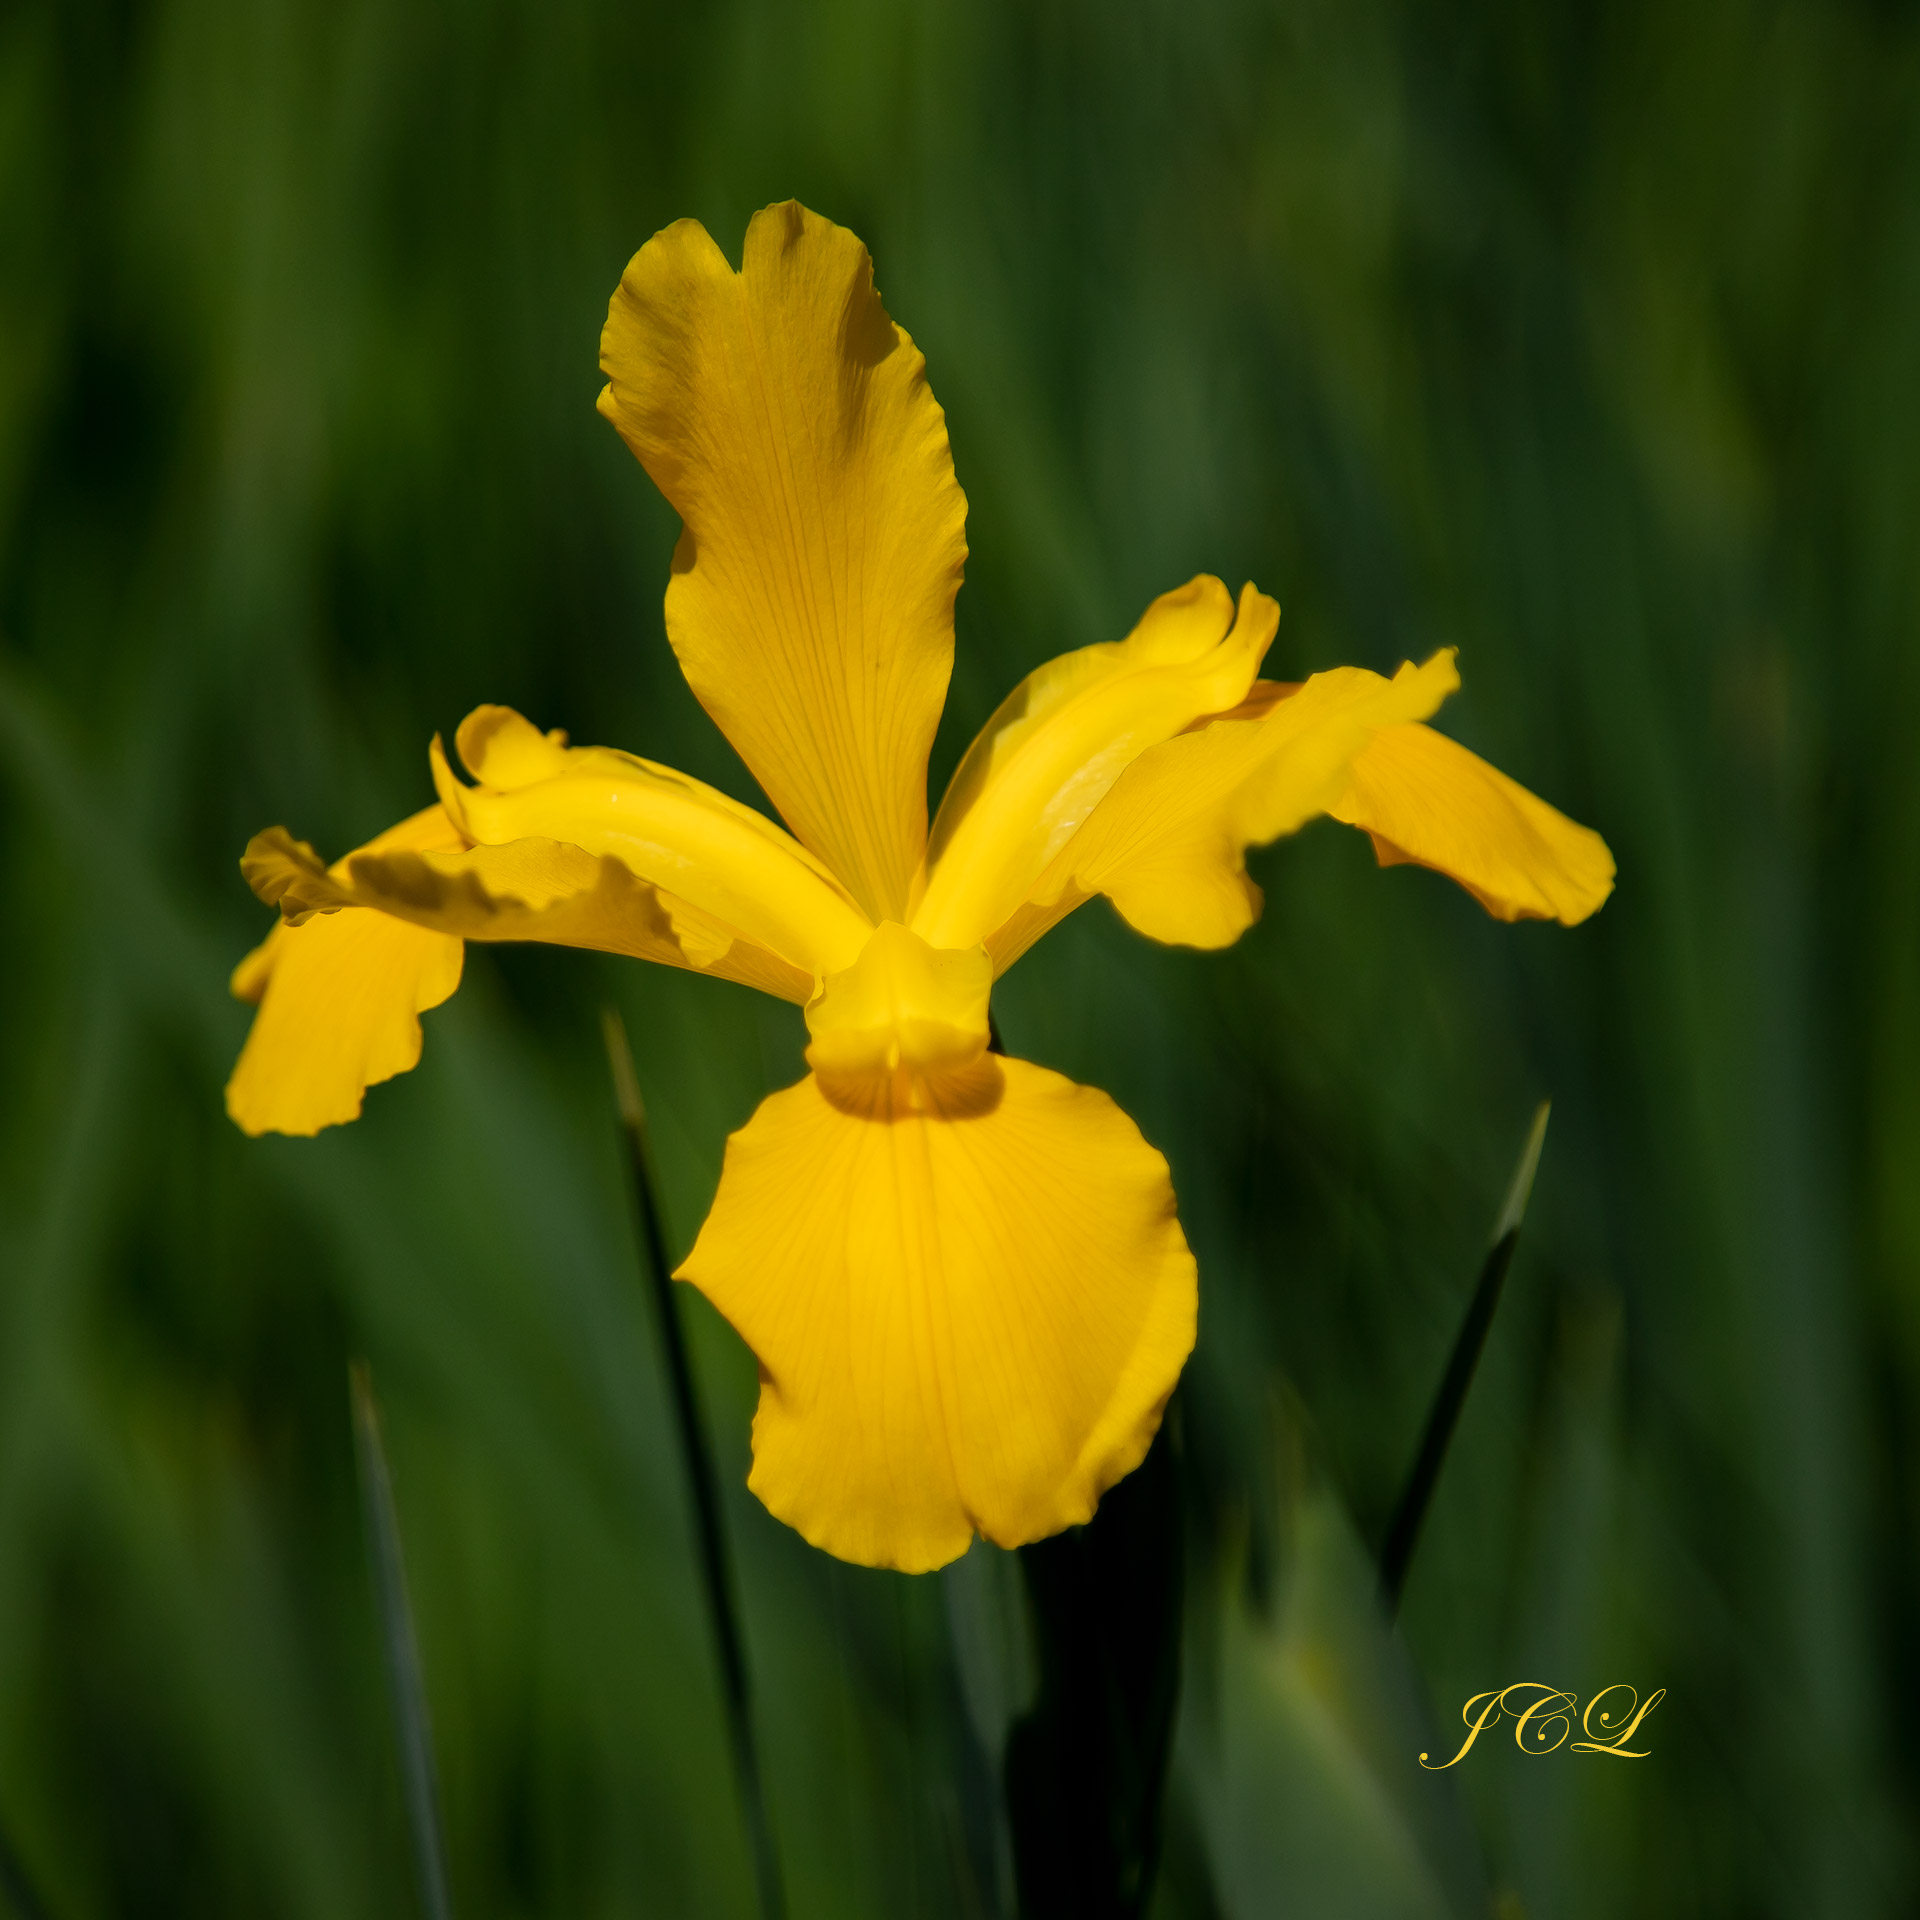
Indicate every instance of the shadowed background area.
{"type": "Point", "coordinates": [1581, 338]}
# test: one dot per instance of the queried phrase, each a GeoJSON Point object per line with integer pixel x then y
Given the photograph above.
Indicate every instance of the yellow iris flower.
{"type": "Point", "coordinates": [962, 1275]}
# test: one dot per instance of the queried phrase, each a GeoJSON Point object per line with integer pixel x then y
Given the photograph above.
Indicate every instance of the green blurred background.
{"type": "Point", "coordinates": [1585, 338]}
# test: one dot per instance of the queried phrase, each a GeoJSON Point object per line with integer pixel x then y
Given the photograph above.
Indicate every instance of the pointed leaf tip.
{"type": "Point", "coordinates": [1521, 1189]}
{"type": "Point", "coordinates": [626, 1084]}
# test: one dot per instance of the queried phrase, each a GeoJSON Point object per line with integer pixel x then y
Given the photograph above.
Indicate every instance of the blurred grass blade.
{"type": "Point", "coordinates": [1404, 1530]}
{"type": "Point", "coordinates": [697, 1463]}
{"type": "Point", "coordinates": [410, 1724]}
{"type": "Point", "coordinates": [14, 1884]}
{"type": "Point", "coordinates": [1297, 1753]}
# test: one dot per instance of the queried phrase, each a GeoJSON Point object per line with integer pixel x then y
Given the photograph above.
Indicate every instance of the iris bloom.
{"type": "Point", "coordinates": [962, 1275]}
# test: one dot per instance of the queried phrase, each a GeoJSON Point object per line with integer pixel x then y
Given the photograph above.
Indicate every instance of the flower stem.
{"type": "Point", "coordinates": [1087, 1766]}
{"type": "Point", "coordinates": [412, 1730]}
{"type": "Point", "coordinates": [697, 1463]}
{"type": "Point", "coordinates": [1396, 1553]}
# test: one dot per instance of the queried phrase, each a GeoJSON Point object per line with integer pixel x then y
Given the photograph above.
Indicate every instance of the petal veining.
{"type": "Point", "coordinates": [969, 1304]}
{"type": "Point", "coordinates": [1058, 744]}
{"type": "Point", "coordinates": [789, 423]}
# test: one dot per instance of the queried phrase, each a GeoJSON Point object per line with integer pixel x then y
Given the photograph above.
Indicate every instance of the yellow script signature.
{"type": "Point", "coordinates": [1537, 1710]}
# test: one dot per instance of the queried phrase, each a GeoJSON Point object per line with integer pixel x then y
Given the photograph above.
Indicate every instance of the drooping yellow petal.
{"type": "Point", "coordinates": [288, 874]}
{"type": "Point", "coordinates": [969, 1296]}
{"type": "Point", "coordinates": [1058, 744]}
{"type": "Point", "coordinates": [731, 873]}
{"type": "Point", "coordinates": [340, 1003]}
{"type": "Point", "coordinates": [248, 981]}
{"type": "Point", "coordinates": [531, 889]}
{"type": "Point", "coordinates": [789, 423]}
{"type": "Point", "coordinates": [340, 990]}
{"type": "Point", "coordinates": [1168, 844]}
{"type": "Point", "coordinates": [1427, 801]}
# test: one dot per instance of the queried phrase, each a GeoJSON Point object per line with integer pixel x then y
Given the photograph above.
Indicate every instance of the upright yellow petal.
{"type": "Point", "coordinates": [1168, 844]}
{"type": "Point", "coordinates": [969, 1297]}
{"type": "Point", "coordinates": [1427, 801]}
{"type": "Point", "coordinates": [1058, 743]}
{"type": "Point", "coordinates": [340, 1006]}
{"type": "Point", "coordinates": [789, 423]}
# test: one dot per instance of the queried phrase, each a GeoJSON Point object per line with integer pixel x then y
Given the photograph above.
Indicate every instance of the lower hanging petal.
{"type": "Point", "coordinates": [969, 1296]}
{"type": "Point", "coordinates": [341, 997]}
